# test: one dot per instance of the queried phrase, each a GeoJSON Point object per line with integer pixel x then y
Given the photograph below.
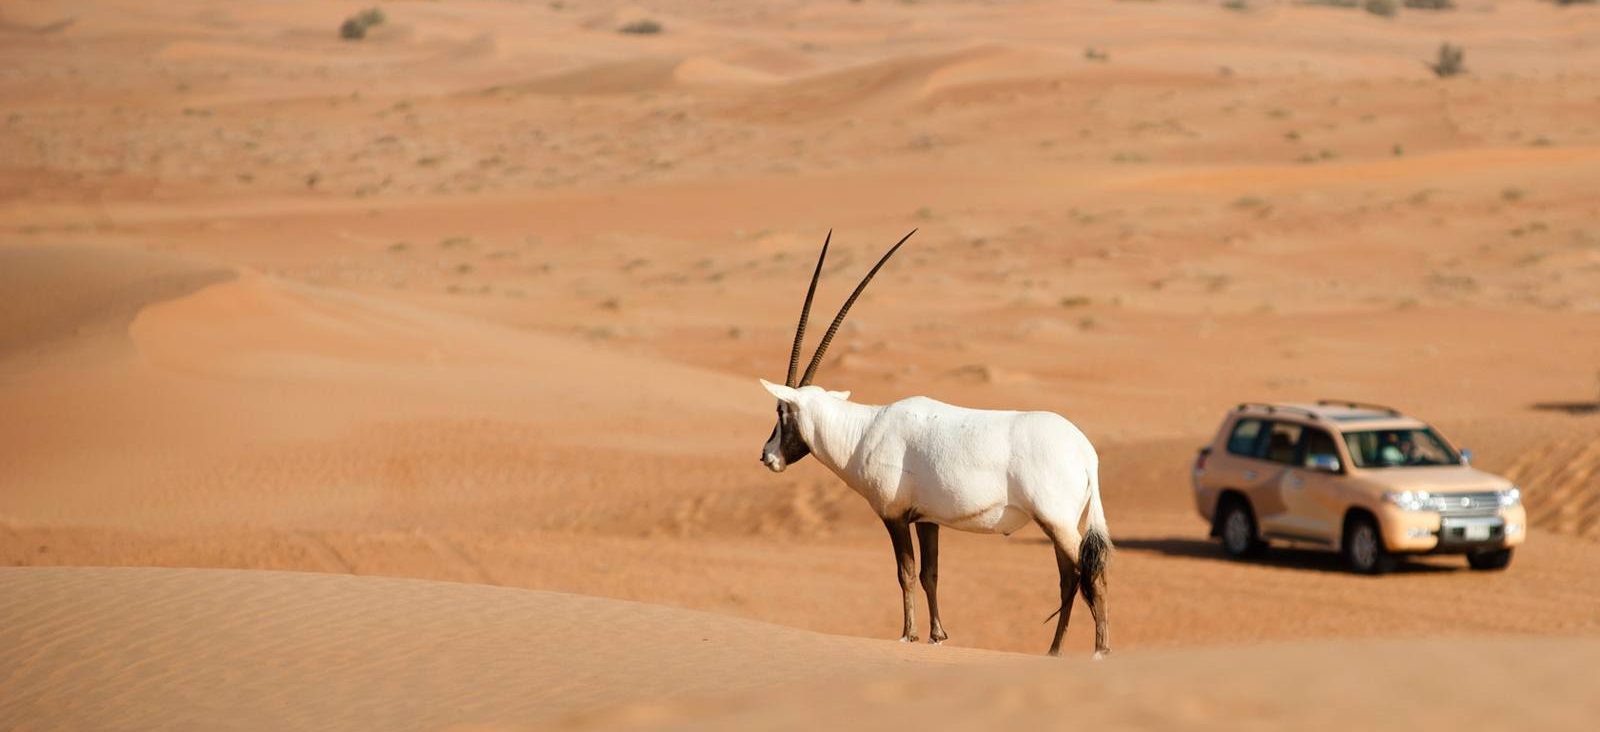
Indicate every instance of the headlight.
{"type": "Point", "coordinates": [1408, 500]}
{"type": "Point", "coordinates": [1510, 497]}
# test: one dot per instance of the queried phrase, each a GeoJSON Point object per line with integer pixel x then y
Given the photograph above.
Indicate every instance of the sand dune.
{"type": "Point", "coordinates": [64, 297]}
{"type": "Point", "coordinates": [196, 649]}
{"type": "Point", "coordinates": [1566, 472]}
{"type": "Point", "coordinates": [245, 370]}
{"type": "Point", "coordinates": [1478, 683]}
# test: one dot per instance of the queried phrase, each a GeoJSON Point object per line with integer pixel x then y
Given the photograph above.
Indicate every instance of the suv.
{"type": "Point", "coordinates": [1360, 479]}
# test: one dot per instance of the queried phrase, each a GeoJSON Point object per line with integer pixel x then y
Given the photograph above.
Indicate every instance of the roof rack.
{"type": "Point", "coordinates": [1272, 408]}
{"type": "Point", "coordinates": [1358, 405]}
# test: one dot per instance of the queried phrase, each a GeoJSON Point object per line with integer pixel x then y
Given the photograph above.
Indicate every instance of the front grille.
{"type": "Point", "coordinates": [1465, 504]}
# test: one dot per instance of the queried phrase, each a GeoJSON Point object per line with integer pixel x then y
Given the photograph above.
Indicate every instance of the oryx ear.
{"type": "Point", "coordinates": [841, 395]}
{"type": "Point", "coordinates": [784, 394]}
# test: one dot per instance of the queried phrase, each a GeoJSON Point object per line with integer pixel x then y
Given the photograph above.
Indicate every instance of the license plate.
{"type": "Point", "coordinates": [1477, 532]}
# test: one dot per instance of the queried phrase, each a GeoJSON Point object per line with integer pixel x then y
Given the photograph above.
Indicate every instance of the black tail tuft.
{"type": "Point", "coordinates": [1093, 555]}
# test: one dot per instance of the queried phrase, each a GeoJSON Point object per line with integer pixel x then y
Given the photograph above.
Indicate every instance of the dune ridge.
{"type": "Point", "coordinates": [66, 296]}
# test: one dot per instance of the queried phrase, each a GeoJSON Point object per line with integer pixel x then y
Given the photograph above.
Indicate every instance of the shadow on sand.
{"type": "Point", "coordinates": [1309, 560]}
{"type": "Point", "coordinates": [1572, 408]}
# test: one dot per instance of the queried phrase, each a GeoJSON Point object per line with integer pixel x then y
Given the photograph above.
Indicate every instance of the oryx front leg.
{"type": "Point", "coordinates": [906, 561]}
{"type": "Point", "coordinates": [928, 544]}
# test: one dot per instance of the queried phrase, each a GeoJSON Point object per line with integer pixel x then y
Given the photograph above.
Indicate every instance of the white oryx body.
{"type": "Point", "coordinates": [984, 471]}
{"type": "Point", "coordinates": [923, 464]}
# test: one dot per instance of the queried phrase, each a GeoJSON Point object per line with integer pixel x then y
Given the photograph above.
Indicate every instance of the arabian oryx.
{"type": "Point", "coordinates": [926, 463]}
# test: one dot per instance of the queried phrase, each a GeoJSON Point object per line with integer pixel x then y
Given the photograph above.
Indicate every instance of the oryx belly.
{"type": "Point", "coordinates": [980, 501]}
{"type": "Point", "coordinates": [995, 520]}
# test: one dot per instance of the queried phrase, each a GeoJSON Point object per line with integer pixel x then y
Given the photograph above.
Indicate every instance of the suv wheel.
{"type": "Point", "coordinates": [1490, 560]}
{"type": "Point", "coordinates": [1237, 527]}
{"type": "Point", "coordinates": [1363, 547]}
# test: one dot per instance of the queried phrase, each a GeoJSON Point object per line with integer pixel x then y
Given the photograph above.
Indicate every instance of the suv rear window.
{"type": "Point", "coordinates": [1245, 435]}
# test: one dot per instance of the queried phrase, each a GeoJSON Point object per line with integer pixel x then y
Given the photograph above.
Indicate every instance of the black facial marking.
{"type": "Point", "coordinates": [790, 445]}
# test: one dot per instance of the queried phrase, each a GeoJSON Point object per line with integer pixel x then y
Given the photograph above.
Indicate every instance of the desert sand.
{"type": "Point", "coordinates": [482, 300]}
{"type": "Point", "coordinates": [138, 648]}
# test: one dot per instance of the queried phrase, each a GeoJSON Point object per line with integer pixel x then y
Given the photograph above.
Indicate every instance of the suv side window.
{"type": "Point", "coordinates": [1246, 434]}
{"type": "Point", "coordinates": [1282, 443]}
{"type": "Point", "coordinates": [1317, 442]}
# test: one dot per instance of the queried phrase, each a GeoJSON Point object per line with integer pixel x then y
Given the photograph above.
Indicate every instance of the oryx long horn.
{"type": "Point", "coordinates": [816, 358]}
{"type": "Point", "coordinates": [805, 313]}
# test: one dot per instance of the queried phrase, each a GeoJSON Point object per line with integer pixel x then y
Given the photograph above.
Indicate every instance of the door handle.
{"type": "Point", "coordinates": [1295, 482]}
{"type": "Point", "coordinates": [1249, 475]}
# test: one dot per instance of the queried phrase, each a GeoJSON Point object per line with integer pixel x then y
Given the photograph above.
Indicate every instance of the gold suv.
{"type": "Point", "coordinates": [1361, 479]}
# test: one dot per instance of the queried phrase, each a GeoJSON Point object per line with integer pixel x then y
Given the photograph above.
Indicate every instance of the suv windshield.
{"type": "Point", "coordinates": [1399, 448]}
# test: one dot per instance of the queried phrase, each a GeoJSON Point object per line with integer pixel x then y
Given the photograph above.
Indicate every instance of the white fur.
{"type": "Point", "coordinates": [969, 469]}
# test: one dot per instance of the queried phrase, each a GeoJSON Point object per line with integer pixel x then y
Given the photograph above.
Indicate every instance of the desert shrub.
{"type": "Point", "coordinates": [1334, 3]}
{"type": "Point", "coordinates": [1431, 4]}
{"type": "Point", "coordinates": [1381, 8]}
{"type": "Point", "coordinates": [1238, 6]}
{"type": "Point", "coordinates": [1096, 54]}
{"type": "Point", "coordinates": [354, 28]}
{"type": "Point", "coordinates": [642, 27]}
{"type": "Point", "coordinates": [1449, 62]}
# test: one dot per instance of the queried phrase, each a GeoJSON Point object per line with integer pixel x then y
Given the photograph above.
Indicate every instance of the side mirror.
{"type": "Point", "coordinates": [1466, 457]}
{"type": "Point", "coordinates": [1323, 462]}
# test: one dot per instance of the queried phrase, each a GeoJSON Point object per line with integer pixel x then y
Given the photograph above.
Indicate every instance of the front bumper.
{"type": "Point", "coordinates": [1431, 531]}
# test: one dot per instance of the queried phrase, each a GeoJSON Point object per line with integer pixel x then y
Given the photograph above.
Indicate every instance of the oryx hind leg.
{"type": "Point", "coordinates": [1065, 540]}
{"type": "Point", "coordinates": [1093, 555]}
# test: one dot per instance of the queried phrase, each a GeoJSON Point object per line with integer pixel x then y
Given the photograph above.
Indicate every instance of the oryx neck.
{"type": "Point", "coordinates": [836, 428]}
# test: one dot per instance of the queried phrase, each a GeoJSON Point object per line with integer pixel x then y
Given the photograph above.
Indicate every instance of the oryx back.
{"type": "Point", "coordinates": [971, 469]}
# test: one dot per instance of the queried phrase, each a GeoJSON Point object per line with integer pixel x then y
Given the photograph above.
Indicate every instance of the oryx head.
{"type": "Point", "coordinates": [786, 446]}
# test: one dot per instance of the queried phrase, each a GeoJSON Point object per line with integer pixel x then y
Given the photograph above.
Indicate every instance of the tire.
{"type": "Point", "coordinates": [1490, 561]}
{"type": "Point", "coordinates": [1236, 526]}
{"type": "Point", "coordinates": [1364, 551]}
